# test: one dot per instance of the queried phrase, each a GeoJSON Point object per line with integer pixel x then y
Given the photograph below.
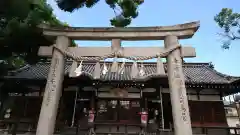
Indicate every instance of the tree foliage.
{"type": "Point", "coordinates": [20, 36]}
{"type": "Point", "coordinates": [127, 8]}
{"type": "Point", "coordinates": [229, 21]}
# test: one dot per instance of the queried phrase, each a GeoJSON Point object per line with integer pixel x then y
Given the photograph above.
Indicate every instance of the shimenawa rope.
{"type": "Point", "coordinates": [115, 54]}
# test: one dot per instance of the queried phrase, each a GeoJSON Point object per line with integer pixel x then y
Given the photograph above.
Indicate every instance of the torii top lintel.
{"type": "Point", "coordinates": [182, 31]}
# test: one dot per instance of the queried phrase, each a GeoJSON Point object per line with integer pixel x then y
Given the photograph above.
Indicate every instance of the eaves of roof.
{"type": "Point", "coordinates": [195, 73]}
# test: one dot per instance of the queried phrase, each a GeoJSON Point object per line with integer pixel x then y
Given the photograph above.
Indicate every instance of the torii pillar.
{"type": "Point", "coordinates": [53, 90]}
{"type": "Point", "coordinates": [179, 101]}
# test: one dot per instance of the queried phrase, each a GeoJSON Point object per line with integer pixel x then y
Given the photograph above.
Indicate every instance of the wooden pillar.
{"type": "Point", "coordinates": [161, 106]}
{"type": "Point", "coordinates": [180, 109]}
{"type": "Point", "coordinates": [53, 90]}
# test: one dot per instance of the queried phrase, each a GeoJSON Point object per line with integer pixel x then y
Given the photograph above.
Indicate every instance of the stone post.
{"type": "Point", "coordinates": [179, 101]}
{"type": "Point", "coordinates": [53, 90]}
{"type": "Point", "coordinates": [115, 46]}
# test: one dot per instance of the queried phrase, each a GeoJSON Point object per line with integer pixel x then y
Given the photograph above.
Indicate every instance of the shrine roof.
{"type": "Point", "coordinates": [195, 73]}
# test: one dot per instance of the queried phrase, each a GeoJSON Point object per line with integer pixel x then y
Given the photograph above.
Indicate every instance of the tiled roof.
{"type": "Point", "coordinates": [194, 72]}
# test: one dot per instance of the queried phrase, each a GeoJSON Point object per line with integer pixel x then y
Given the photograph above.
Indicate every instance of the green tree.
{"type": "Point", "coordinates": [125, 10]}
{"type": "Point", "coordinates": [229, 22]}
{"type": "Point", "coordinates": [20, 36]}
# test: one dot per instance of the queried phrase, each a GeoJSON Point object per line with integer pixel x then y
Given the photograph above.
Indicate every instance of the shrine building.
{"type": "Point", "coordinates": [79, 92]}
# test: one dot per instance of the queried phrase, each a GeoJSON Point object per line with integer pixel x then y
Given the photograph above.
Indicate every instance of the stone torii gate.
{"type": "Point", "coordinates": [170, 35]}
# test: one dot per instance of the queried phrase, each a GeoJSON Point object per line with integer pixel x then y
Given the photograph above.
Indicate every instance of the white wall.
{"type": "Point", "coordinates": [232, 116]}
{"type": "Point", "coordinates": [232, 122]}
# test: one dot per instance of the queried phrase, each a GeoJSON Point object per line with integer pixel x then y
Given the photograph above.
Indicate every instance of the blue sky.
{"type": "Point", "coordinates": [169, 12]}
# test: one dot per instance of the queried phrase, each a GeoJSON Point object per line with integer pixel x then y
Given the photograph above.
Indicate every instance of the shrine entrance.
{"type": "Point", "coordinates": [172, 51]}
{"type": "Point", "coordinates": [122, 111]}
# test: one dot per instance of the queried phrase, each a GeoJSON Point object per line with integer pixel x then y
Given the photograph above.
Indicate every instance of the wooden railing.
{"type": "Point", "coordinates": [118, 128]}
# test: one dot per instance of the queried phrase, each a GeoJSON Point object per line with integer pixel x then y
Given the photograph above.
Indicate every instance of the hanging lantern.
{"type": "Point", "coordinates": [91, 116]}
{"type": "Point", "coordinates": [8, 113]}
{"type": "Point", "coordinates": [144, 118]}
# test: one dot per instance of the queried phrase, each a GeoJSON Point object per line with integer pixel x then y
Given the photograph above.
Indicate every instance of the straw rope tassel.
{"type": "Point", "coordinates": [142, 72]}
{"type": "Point", "coordinates": [97, 71]}
{"type": "Point", "coordinates": [72, 69]}
{"type": "Point", "coordinates": [105, 69]}
{"type": "Point", "coordinates": [114, 67]}
{"type": "Point", "coordinates": [160, 67]}
{"type": "Point", "coordinates": [134, 72]}
{"type": "Point", "coordinates": [122, 67]}
{"type": "Point", "coordinates": [78, 70]}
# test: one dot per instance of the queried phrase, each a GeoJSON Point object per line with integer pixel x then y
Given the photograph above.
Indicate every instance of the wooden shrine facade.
{"type": "Point", "coordinates": [26, 89]}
